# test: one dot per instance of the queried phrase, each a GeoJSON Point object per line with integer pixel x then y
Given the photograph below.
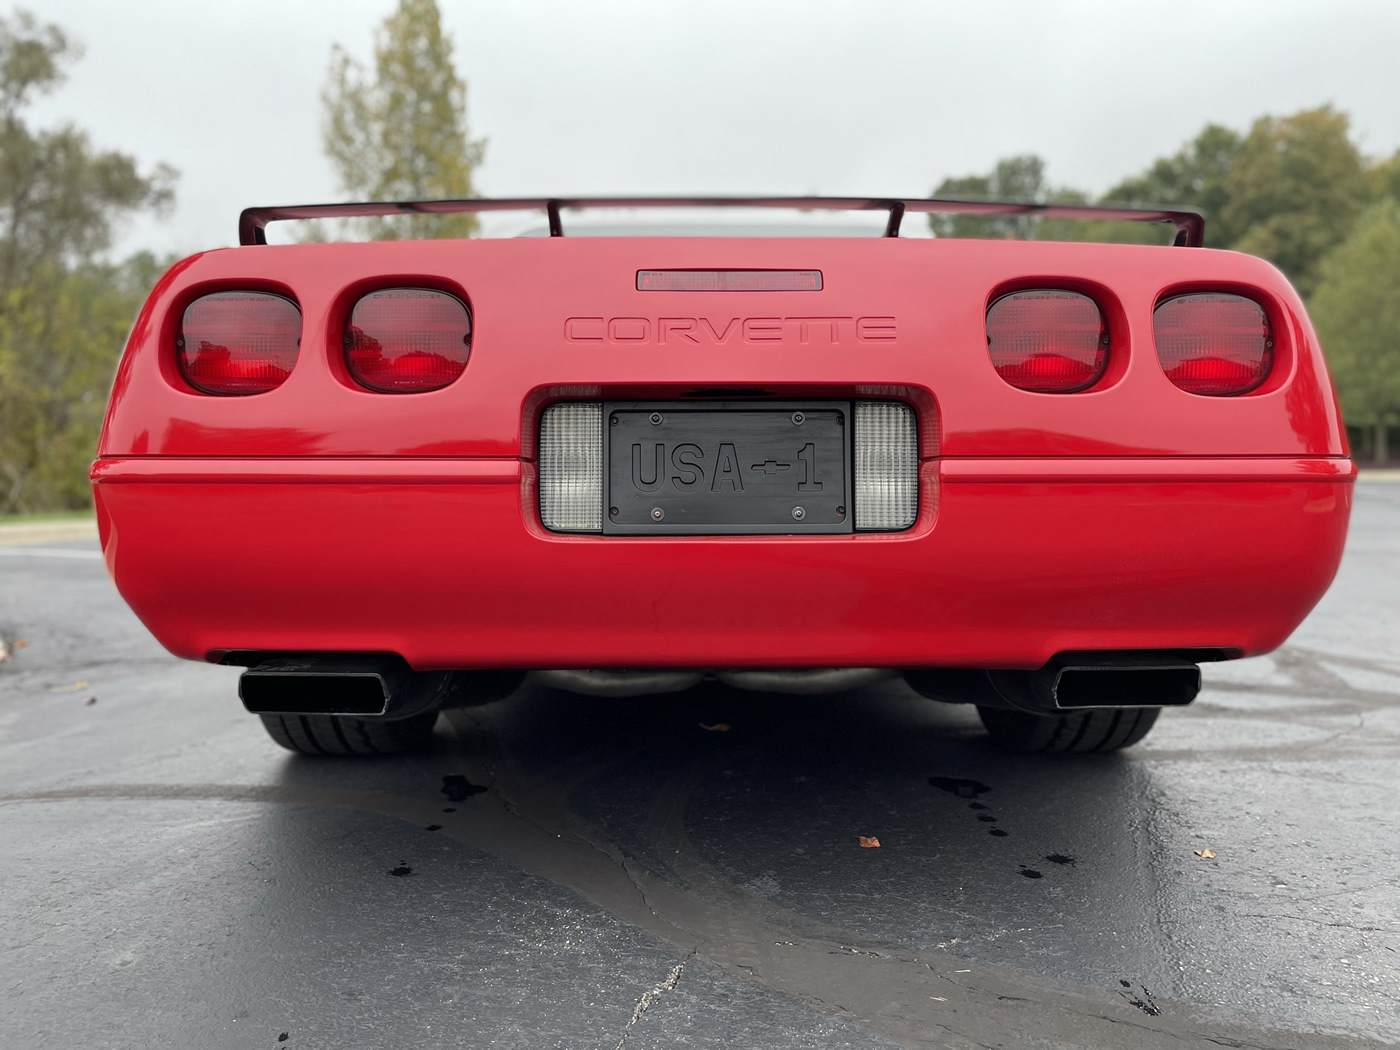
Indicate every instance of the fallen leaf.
{"type": "Point", "coordinates": [868, 842]}
{"type": "Point", "coordinates": [718, 727]}
{"type": "Point", "coordinates": [90, 701]}
{"type": "Point", "coordinates": [20, 643]}
{"type": "Point", "coordinates": [1205, 854]}
{"type": "Point", "coordinates": [75, 687]}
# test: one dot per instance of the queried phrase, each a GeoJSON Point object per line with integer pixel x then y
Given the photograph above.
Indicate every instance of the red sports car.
{"type": "Point", "coordinates": [1048, 479]}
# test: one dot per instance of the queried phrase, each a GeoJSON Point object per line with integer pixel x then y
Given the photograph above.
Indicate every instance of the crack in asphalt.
{"type": "Point", "coordinates": [1315, 922]}
{"type": "Point", "coordinates": [650, 998]}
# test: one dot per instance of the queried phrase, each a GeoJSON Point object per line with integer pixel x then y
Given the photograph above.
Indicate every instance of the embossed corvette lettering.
{"type": "Point", "coordinates": [728, 331]}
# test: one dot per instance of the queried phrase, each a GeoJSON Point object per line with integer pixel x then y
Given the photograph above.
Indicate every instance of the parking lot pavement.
{"type": "Point", "coordinates": [630, 878]}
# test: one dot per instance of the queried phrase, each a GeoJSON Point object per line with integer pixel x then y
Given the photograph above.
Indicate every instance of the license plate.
{"type": "Point", "coordinates": [727, 468]}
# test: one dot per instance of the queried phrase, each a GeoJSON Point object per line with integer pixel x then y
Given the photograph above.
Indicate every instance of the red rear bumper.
{"type": "Point", "coordinates": [443, 562]}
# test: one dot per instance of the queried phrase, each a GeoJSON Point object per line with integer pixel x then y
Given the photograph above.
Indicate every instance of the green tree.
{"type": "Point", "coordinates": [1019, 178]}
{"type": "Point", "coordinates": [400, 132]}
{"type": "Point", "coordinates": [1357, 313]}
{"type": "Point", "coordinates": [1022, 178]}
{"type": "Point", "coordinates": [52, 407]}
{"type": "Point", "coordinates": [63, 314]}
{"type": "Point", "coordinates": [1384, 178]}
{"type": "Point", "coordinates": [1193, 177]}
{"type": "Point", "coordinates": [1294, 190]}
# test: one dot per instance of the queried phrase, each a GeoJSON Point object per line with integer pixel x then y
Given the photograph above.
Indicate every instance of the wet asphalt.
{"type": "Point", "coordinates": [627, 878]}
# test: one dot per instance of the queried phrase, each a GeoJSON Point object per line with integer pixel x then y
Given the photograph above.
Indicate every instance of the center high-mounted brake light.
{"type": "Point", "coordinates": [238, 342]}
{"type": "Point", "coordinates": [407, 340]}
{"type": "Point", "coordinates": [1048, 341]}
{"type": "Point", "coordinates": [729, 280]}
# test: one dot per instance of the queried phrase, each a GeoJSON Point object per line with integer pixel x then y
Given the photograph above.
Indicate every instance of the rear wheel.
{"type": "Point", "coordinates": [1098, 730]}
{"type": "Point", "coordinates": [343, 735]}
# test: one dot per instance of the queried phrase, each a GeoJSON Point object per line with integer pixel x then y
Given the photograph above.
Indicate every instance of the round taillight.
{"type": "Point", "coordinates": [238, 342]}
{"type": "Point", "coordinates": [1047, 341]}
{"type": "Point", "coordinates": [407, 340]}
{"type": "Point", "coordinates": [1213, 343]}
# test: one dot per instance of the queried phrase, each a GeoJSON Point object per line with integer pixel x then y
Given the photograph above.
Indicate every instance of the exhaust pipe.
{"type": "Point", "coordinates": [806, 682]}
{"type": "Point", "coordinates": [362, 686]}
{"type": "Point", "coordinates": [1069, 682]}
{"type": "Point", "coordinates": [617, 683]}
{"type": "Point", "coordinates": [1076, 685]}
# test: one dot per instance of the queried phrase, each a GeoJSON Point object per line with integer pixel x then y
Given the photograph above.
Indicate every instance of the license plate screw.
{"type": "Point", "coordinates": [612, 512]}
{"type": "Point", "coordinates": [841, 511]}
{"type": "Point", "coordinates": [656, 419]}
{"type": "Point", "coordinates": [614, 420]}
{"type": "Point", "coordinates": [798, 418]}
{"type": "Point", "coordinates": [798, 513]}
{"type": "Point", "coordinates": [657, 513]}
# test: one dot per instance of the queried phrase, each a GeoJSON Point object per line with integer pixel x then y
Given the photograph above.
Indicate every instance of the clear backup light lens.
{"type": "Point", "coordinates": [571, 467]}
{"type": "Point", "coordinates": [887, 466]}
{"type": "Point", "coordinates": [1047, 341]}
{"type": "Point", "coordinates": [1213, 343]}
{"type": "Point", "coordinates": [238, 342]}
{"type": "Point", "coordinates": [407, 340]}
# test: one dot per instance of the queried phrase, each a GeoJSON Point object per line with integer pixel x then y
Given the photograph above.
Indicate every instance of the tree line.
{"type": "Point", "coordinates": [1294, 189]}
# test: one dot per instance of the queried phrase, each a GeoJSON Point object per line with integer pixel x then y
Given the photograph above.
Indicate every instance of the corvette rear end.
{"type": "Point", "coordinates": [1045, 478]}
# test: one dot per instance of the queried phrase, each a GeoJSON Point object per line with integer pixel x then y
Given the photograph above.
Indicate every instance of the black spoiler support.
{"type": "Point", "coordinates": [1190, 225]}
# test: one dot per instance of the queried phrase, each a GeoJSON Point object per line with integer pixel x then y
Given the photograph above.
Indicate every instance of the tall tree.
{"type": "Point", "coordinates": [399, 132]}
{"type": "Point", "coordinates": [1293, 191]}
{"type": "Point", "coordinates": [1357, 313]}
{"type": "Point", "coordinates": [62, 313]}
{"type": "Point", "coordinates": [1019, 178]}
{"type": "Point", "coordinates": [1194, 176]}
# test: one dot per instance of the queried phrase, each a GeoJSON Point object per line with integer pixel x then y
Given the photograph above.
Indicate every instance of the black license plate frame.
{"type": "Point", "coordinates": [727, 468]}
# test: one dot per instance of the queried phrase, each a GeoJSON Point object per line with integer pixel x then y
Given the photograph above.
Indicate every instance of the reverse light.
{"type": "Point", "coordinates": [238, 342]}
{"type": "Point", "coordinates": [1213, 343]}
{"type": "Point", "coordinates": [886, 466]}
{"type": "Point", "coordinates": [407, 340]}
{"type": "Point", "coordinates": [571, 467]}
{"type": "Point", "coordinates": [1048, 341]}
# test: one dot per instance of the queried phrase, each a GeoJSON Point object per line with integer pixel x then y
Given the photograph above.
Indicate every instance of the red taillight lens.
{"type": "Point", "coordinates": [406, 340]}
{"type": "Point", "coordinates": [1047, 341]}
{"type": "Point", "coordinates": [1213, 343]}
{"type": "Point", "coordinates": [238, 342]}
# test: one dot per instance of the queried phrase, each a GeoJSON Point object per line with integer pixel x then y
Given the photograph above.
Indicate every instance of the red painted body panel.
{"type": "Point", "coordinates": [320, 516]}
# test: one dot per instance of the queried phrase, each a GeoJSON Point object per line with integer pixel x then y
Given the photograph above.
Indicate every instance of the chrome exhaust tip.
{"type": "Point", "coordinates": [1069, 682]}
{"type": "Point", "coordinates": [359, 686]}
{"type": "Point", "coordinates": [1077, 687]}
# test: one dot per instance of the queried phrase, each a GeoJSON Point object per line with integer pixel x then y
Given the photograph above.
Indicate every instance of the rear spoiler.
{"type": "Point", "coordinates": [1190, 225]}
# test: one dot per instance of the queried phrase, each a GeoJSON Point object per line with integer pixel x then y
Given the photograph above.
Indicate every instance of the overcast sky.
{"type": "Point", "coordinates": [762, 96]}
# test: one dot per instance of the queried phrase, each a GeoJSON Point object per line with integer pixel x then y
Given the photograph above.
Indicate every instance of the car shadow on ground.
{"type": "Point", "coordinates": [762, 801]}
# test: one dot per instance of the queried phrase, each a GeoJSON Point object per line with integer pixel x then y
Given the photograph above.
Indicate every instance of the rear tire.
{"type": "Point", "coordinates": [343, 735]}
{"type": "Point", "coordinates": [1083, 732]}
